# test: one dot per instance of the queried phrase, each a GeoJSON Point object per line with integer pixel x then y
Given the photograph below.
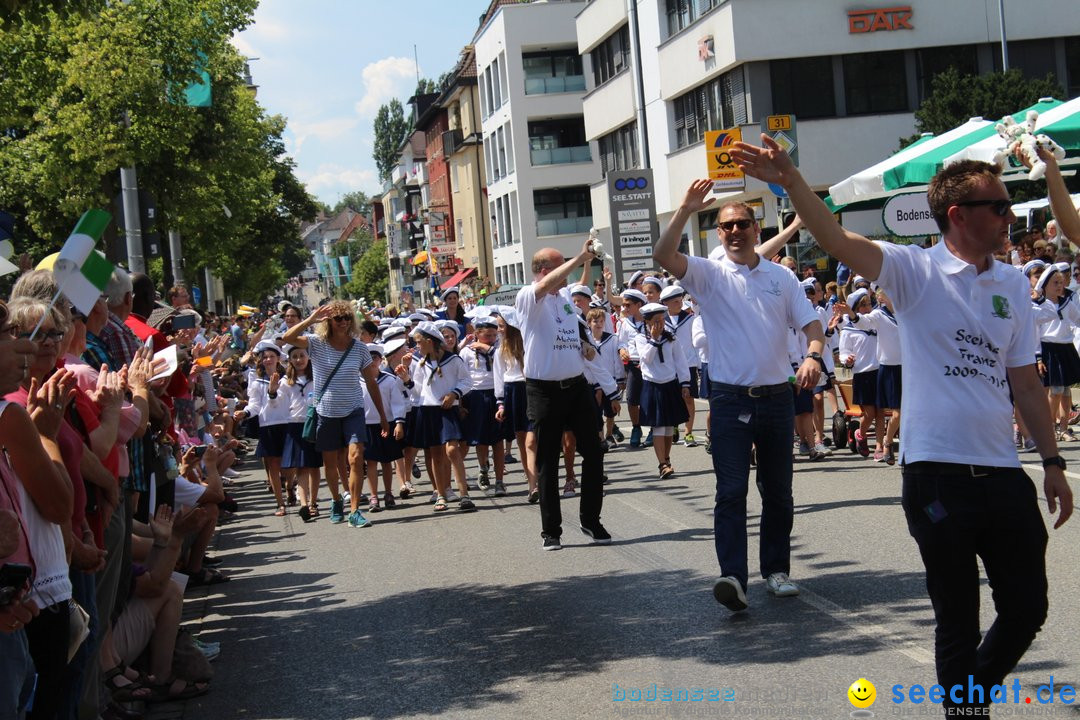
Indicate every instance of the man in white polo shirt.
{"type": "Point", "coordinates": [558, 396]}
{"type": "Point", "coordinates": [967, 338]}
{"type": "Point", "coordinates": [747, 305]}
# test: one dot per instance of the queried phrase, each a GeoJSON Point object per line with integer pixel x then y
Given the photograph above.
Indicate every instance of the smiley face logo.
{"type": "Point", "coordinates": [862, 693]}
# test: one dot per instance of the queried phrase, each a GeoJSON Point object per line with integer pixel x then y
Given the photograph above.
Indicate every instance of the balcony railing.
{"type": "Point", "coordinates": [544, 85]}
{"type": "Point", "coordinates": [563, 226]}
{"type": "Point", "coordinates": [560, 156]}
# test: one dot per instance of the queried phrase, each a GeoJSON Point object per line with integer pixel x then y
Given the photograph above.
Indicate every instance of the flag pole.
{"type": "Point", "coordinates": [46, 313]}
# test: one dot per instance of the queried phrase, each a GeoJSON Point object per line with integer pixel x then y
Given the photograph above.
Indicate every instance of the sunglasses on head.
{"type": "Point", "coordinates": [1000, 207]}
{"type": "Point", "coordinates": [729, 225]}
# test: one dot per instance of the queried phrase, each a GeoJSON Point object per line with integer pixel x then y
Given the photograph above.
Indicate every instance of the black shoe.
{"type": "Point", "coordinates": [416, 471]}
{"type": "Point", "coordinates": [617, 434]}
{"type": "Point", "coordinates": [509, 459]}
{"type": "Point", "coordinates": [596, 531]}
{"type": "Point", "coordinates": [728, 592]}
{"type": "Point", "coordinates": [551, 543]}
{"type": "Point", "coordinates": [534, 497]}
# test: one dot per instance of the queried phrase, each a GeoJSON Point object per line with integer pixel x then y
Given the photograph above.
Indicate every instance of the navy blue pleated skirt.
{"type": "Point", "coordinates": [516, 409]}
{"type": "Point", "coordinates": [662, 405]}
{"type": "Point", "coordinates": [1062, 364]}
{"type": "Point", "coordinates": [381, 449]}
{"type": "Point", "coordinates": [864, 388]}
{"type": "Point", "coordinates": [480, 426]}
{"type": "Point", "coordinates": [271, 440]}
{"type": "Point", "coordinates": [299, 453]}
{"type": "Point", "coordinates": [435, 426]}
{"type": "Point", "coordinates": [889, 387]}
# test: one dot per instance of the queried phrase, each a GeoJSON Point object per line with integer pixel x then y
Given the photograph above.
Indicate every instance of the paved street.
{"type": "Point", "coordinates": [462, 615]}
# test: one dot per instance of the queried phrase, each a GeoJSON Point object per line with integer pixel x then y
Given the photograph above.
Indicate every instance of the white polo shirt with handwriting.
{"type": "Point", "coordinates": [746, 314]}
{"type": "Point", "coordinates": [959, 331]}
{"type": "Point", "coordinates": [550, 332]}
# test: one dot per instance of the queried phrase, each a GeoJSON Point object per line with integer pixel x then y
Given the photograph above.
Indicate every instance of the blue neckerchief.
{"type": "Point", "coordinates": [888, 313]}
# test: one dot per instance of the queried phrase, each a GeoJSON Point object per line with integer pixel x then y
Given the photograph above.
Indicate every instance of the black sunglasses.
{"type": "Point", "coordinates": [1000, 207]}
{"type": "Point", "coordinates": [341, 318]}
{"type": "Point", "coordinates": [729, 225]}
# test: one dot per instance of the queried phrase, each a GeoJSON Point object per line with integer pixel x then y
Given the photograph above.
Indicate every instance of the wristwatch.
{"type": "Point", "coordinates": [816, 356]}
{"type": "Point", "coordinates": [1055, 460]}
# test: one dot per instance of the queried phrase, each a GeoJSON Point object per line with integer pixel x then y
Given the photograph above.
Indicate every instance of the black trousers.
{"type": "Point", "coordinates": [956, 519]}
{"type": "Point", "coordinates": [555, 407]}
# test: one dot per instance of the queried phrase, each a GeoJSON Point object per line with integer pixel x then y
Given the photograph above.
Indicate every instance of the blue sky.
{"type": "Point", "coordinates": [327, 66]}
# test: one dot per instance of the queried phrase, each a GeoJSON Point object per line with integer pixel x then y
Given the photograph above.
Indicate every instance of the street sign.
{"type": "Point", "coordinates": [638, 264]}
{"type": "Point", "coordinates": [723, 171]}
{"type": "Point", "coordinates": [196, 295]}
{"type": "Point", "coordinates": [634, 230]}
{"type": "Point", "coordinates": [778, 190]}
{"type": "Point", "coordinates": [908, 215]}
{"type": "Point", "coordinates": [506, 295]}
{"type": "Point", "coordinates": [783, 130]}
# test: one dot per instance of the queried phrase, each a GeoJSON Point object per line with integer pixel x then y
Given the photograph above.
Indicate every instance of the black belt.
{"type": "Point", "coordinates": [561, 384]}
{"type": "Point", "coordinates": [926, 467]}
{"type": "Point", "coordinates": [755, 391]}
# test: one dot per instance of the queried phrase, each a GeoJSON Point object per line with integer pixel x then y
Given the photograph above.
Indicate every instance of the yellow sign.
{"type": "Point", "coordinates": [723, 171]}
{"type": "Point", "coordinates": [778, 122]}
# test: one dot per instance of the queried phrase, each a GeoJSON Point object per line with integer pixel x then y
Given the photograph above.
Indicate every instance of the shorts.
{"type": "Point", "coordinates": [133, 629]}
{"type": "Point", "coordinates": [338, 433]}
{"type": "Point", "coordinates": [633, 384]}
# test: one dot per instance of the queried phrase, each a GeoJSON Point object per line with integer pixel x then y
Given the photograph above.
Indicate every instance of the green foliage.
{"type": "Point", "coordinates": [357, 200]}
{"type": "Point", "coordinates": [88, 92]}
{"type": "Point", "coordinates": [954, 98]}
{"type": "Point", "coordinates": [390, 128]}
{"type": "Point", "coordinates": [370, 277]}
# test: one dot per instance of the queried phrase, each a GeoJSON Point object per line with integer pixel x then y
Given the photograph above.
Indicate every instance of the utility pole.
{"type": "Point", "coordinates": [176, 256]}
{"type": "Point", "coordinates": [1004, 43]}
{"type": "Point", "coordinates": [129, 192]}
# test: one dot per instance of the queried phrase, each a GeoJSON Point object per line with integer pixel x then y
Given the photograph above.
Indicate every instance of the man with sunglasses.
{"type": "Point", "coordinates": [967, 336]}
{"type": "Point", "coordinates": [748, 306]}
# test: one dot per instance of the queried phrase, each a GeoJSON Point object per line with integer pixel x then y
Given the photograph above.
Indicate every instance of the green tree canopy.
{"type": "Point", "coordinates": [390, 128]}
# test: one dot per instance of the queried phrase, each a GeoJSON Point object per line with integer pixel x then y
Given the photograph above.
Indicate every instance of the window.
{"type": "Point", "coordinates": [550, 72]}
{"type": "Point", "coordinates": [619, 149]}
{"type": "Point", "coordinates": [718, 104]}
{"type": "Point", "coordinates": [682, 13]}
{"type": "Point", "coordinates": [611, 56]}
{"type": "Point", "coordinates": [875, 82]}
{"type": "Point", "coordinates": [1072, 65]}
{"type": "Point", "coordinates": [803, 87]}
{"type": "Point", "coordinates": [496, 84]}
{"type": "Point", "coordinates": [930, 62]}
{"type": "Point", "coordinates": [558, 141]}
{"type": "Point", "coordinates": [562, 211]}
{"type": "Point", "coordinates": [486, 107]}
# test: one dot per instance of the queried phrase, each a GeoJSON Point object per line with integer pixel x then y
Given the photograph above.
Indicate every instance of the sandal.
{"type": "Point", "coordinates": [206, 576]}
{"type": "Point", "coordinates": [305, 513]}
{"type": "Point", "coordinates": [666, 471]}
{"type": "Point", "coordinates": [440, 504]}
{"type": "Point", "coordinates": [534, 497]}
{"type": "Point", "coordinates": [1066, 436]}
{"type": "Point", "coordinates": [164, 692]}
{"type": "Point", "coordinates": [130, 691]}
{"type": "Point", "coordinates": [280, 511]}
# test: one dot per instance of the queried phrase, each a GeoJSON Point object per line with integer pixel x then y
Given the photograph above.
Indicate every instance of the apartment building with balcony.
{"type": "Point", "coordinates": [539, 163]}
{"type": "Point", "coordinates": [665, 71]}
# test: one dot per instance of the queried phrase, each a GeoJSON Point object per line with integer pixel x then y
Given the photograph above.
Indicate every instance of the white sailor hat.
{"type": "Point", "coordinates": [634, 278]}
{"type": "Point", "coordinates": [429, 314]}
{"type": "Point", "coordinates": [394, 331]}
{"type": "Point", "coordinates": [635, 295]}
{"type": "Point", "coordinates": [449, 325]}
{"type": "Point", "coordinates": [392, 346]}
{"type": "Point", "coordinates": [653, 280]}
{"type": "Point", "coordinates": [375, 349]}
{"type": "Point", "coordinates": [580, 290]}
{"type": "Point", "coordinates": [265, 345]}
{"type": "Point", "coordinates": [453, 290]}
{"type": "Point", "coordinates": [1049, 273]}
{"type": "Point", "coordinates": [418, 317]}
{"type": "Point", "coordinates": [510, 316]}
{"type": "Point", "coordinates": [486, 321]}
{"type": "Point", "coordinates": [859, 279]}
{"type": "Point", "coordinates": [403, 322]}
{"type": "Point", "coordinates": [857, 297]}
{"type": "Point", "coordinates": [808, 285]}
{"type": "Point", "coordinates": [671, 292]}
{"type": "Point", "coordinates": [1032, 265]}
{"type": "Point", "coordinates": [429, 330]}
{"type": "Point", "coordinates": [651, 309]}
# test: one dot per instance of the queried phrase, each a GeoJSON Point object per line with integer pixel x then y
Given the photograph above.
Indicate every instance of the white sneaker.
{"type": "Point", "coordinates": [780, 585]}
{"type": "Point", "coordinates": [230, 473]}
{"type": "Point", "coordinates": [728, 591]}
{"type": "Point", "coordinates": [820, 448]}
{"type": "Point", "coordinates": [452, 496]}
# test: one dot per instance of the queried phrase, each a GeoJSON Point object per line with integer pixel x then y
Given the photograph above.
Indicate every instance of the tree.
{"type": "Point", "coordinates": [357, 200]}
{"type": "Point", "coordinates": [954, 98]}
{"type": "Point", "coordinates": [369, 278]}
{"type": "Point", "coordinates": [390, 128]}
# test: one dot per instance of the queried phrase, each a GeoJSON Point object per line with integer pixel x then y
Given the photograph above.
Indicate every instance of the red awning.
{"type": "Point", "coordinates": [457, 278]}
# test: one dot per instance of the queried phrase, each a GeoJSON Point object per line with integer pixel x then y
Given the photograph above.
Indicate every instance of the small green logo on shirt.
{"type": "Point", "coordinates": [1001, 307]}
{"type": "Point", "coordinates": [566, 307]}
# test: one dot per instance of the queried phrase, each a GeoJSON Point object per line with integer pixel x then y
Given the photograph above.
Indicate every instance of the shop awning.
{"type": "Point", "coordinates": [457, 278]}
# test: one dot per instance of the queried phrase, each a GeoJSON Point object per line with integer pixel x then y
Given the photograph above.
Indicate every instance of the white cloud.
{"type": "Point", "coordinates": [244, 46]}
{"type": "Point", "coordinates": [331, 129]}
{"type": "Point", "coordinates": [385, 79]}
{"type": "Point", "coordinates": [330, 178]}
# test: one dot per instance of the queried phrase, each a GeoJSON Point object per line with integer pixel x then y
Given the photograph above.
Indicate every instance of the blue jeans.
{"type": "Point", "coordinates": [740, 422]}
{"type": "Point", "coordinates": [17, 675]}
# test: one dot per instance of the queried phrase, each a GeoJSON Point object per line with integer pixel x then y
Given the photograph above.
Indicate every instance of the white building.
{"type": "Point", "coordinates": [540, 167]}
{"type": "Point", "coordinates": [851, 74]}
